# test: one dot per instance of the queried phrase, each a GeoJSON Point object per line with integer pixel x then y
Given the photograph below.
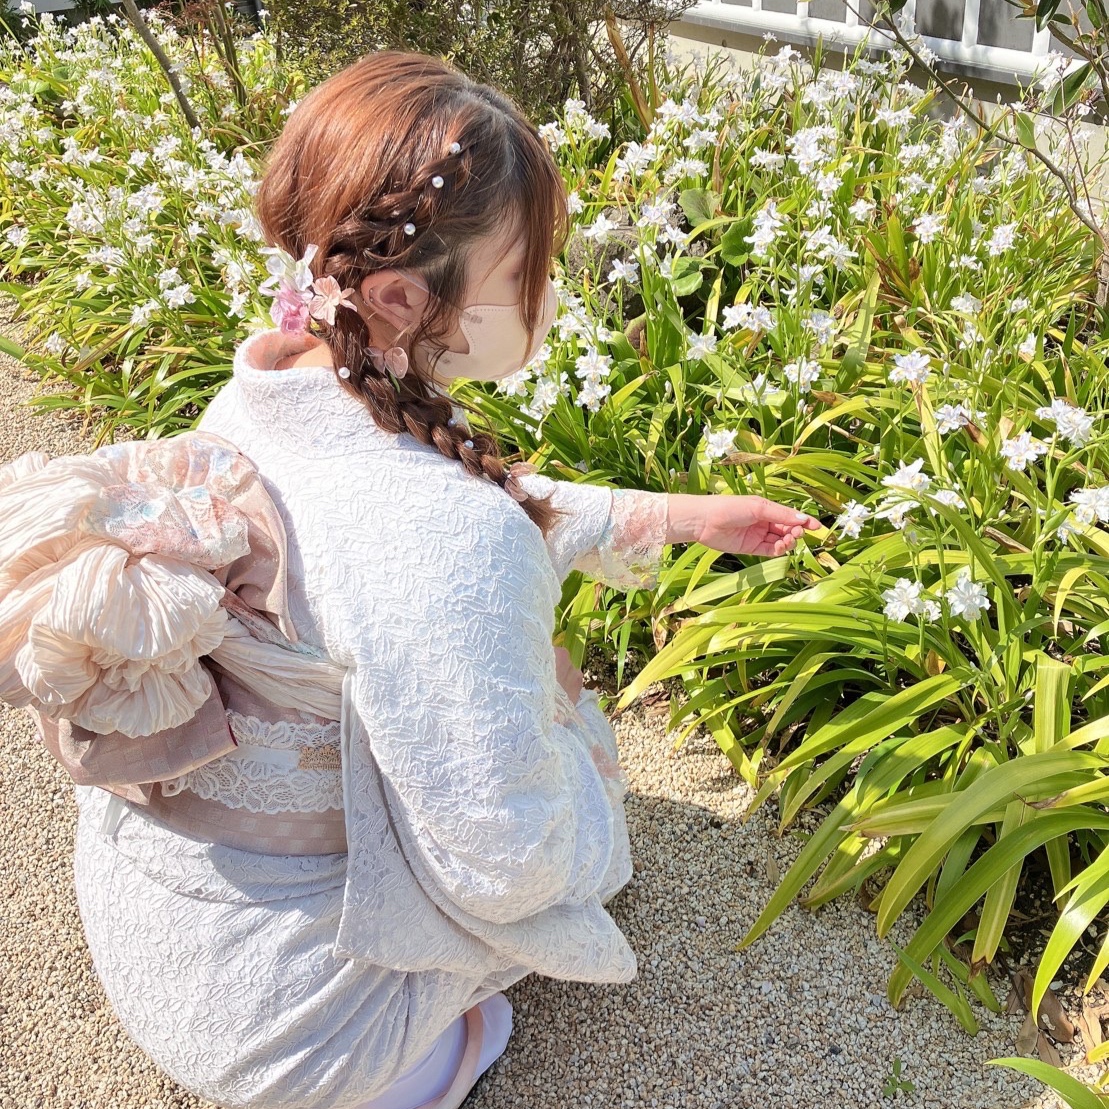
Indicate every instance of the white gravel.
{"type": "Point", "coordinates": [798, 1020]}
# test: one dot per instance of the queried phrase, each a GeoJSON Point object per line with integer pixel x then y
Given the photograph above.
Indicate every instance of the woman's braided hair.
{"type": "Point", "coordinates": [400, 161]}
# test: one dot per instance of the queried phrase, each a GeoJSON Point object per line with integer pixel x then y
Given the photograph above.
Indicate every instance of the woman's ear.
{"type": "Point", "coordinates": [394, 297]}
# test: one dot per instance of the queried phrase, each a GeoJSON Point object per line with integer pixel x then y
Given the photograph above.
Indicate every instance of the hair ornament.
{"type": "Point", "coordinates": [344, 371]}
{"type": "Point", "coordinates": [410, 229]}
{"type": "Point", "coordinates": [394, 360]}
{"type": "Point", "coordinates": [450, 422]}
{"type": "Point", "coordinates": [469, 444]}
{"type": "Point", "coordinates": [298, 297]}
{"type": "Point", "coordinates": [455, 148]}
{"type": "Point", "coordinates": [437, 182]}
{"type": "Point", "coordinates": [512, 484]}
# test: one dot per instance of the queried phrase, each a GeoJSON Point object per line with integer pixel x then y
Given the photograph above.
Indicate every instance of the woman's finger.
{"type": "Point", "coordinates": [775, 513]}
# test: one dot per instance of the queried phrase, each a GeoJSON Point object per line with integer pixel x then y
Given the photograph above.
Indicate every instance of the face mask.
{"type": "Point", "coordinates": [498, 340]}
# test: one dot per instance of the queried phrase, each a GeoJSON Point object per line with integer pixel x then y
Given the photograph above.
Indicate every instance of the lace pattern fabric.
{"type": "Point", "coordinates": [279, 766]}
{"type": "Point", "coordinates": [614, 535]}
{"type": "Point", "coordinates": [629, 550]}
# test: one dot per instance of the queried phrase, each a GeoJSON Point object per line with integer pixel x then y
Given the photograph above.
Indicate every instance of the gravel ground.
{"type": "Point", "coordinates": [798, 1020]}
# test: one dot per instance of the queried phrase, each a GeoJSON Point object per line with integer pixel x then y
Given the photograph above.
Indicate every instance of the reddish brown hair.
{"type": "Point", "coordinates": [354, 164]}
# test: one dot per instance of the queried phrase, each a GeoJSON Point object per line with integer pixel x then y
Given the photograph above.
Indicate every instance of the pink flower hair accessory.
{"type": "Point", "coordinates": [298, 297]}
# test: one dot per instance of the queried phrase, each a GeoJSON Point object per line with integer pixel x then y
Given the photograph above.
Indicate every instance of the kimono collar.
{"type": "Point", "coordinates": [307, 408]}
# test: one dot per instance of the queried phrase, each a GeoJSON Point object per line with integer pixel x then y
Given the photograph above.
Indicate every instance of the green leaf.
{"type": "Point", "coordinates": [1045, 9]}
{"type": "Point", "coordinates": [686, 276]}
{"type": "Point", "coordinates": [734, 247]}
{"type": "Point", "coordinates": [958, 1004]}
{"type": "Point", "coordinates": [1026, 131]}
{"type": "Point", "coordinates": [1069, 1089]}
{"type": "Point", "coordinates": [1000, 784]}
{"type": "Point", "coordinates": [1071, 88]}
{"type": "Point", "coordinates": [12, 349]}
{"type": "Point", "coordinates": [699, 205]}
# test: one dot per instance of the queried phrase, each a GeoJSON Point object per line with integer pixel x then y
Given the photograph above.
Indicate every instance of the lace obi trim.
{"type": "Point", "coordinates": [279, 766]}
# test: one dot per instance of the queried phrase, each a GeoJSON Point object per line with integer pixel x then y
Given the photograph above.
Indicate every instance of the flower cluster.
{"type": "Point", "coordinates": [298, 296]}
{"type": "Point", "coordinates": [966, 599]}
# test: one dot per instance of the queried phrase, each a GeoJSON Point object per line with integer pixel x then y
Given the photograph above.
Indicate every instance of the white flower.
{"type": "Point", "coordinates": [755, 319]}
{"type": "Point", "coordinates": [1020, 451]}
{"type": "Point", "coordinates": [515, 385]}
{"type": "Point", "coordinates": [592, 364]}
{"type": "Point", "coordinates": [655, 213]}
{"type": "Point", "coordinates": [16, 235]}
{"type": "Point", "coordinates": [553, 134]}
{"type": "Point", "coordinates": [141, 313]}
{"type": "Point", "coordinates": [699, 345]}
{"type": "Point", "coordinates": [927, 227]}
{"type": "Point", "coordinates": [699, 138]}
{"type": "Point", "coordinates": [970, 336]}
{"type": "Point", "coordinates": [965, 302]}
{"type": "Point", "coordinates": [967, 598]}
{"type": "Point", "coordinates": [862, 208]}
{"type": "Point", "coordinates": [821, 324]}
{"type": "Point", "coordinates": [628, 272]}
{"type": "Point", "coordinates": [574, 203]}
{"type": "Point", "coordinates": [718, 443]}
{"type": "Point", "coordinates": [1092, 503]}
{"type": "Point", "coordinates": [673, 234]}
{"type": "Point", "coordinates": [179, 295]}
{"type": "Point", "coordinates": [599, 229]}
{"type": "Point", "coordinates": [900, 117]}
{"type": "Point", "coordinates": [1073, 423]}
{"type": "Point", "coordinates": [767, 227]}
{"type": "Point", "coordinates": [951, 417]}
{"type": "Point", "coordinates": [1018, 304]}
{"type": "Point", "coordinates": [768, 159]}
{"type": "Point", "coordinates": [635, 159]}
{"type": "Point", "coordinates": [904, 600]}
{"type": "Point", "coordinates": [908, 476]}
{"type": "Point", "coordinates": [914, 367]}
{"type": "Point", "coordinates": [1002, 239]}
{"type": "Point", "coordinates": [680, 168]}
{"type": "Point", "coordinates": [802, 373]}
{"type": "Point", "coordinates": [948, 496]}
{"type": "Point", "coordinates": [1028, 347]}
{"type": "Point", "coordinates": [850, 521]}
{"type": "Point", "coordinates": [592, 393]}
{"type": "Point", "coordinates": [759, 390]}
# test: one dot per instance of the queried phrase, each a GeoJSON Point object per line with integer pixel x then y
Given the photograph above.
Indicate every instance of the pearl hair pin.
{"type": "Point", "coordinates": [455, 148]}
{"type": "Point", "coordinates": [410, 229]}
{"type": "Point", "coordinates": [344, 371]}
{"type": "Point", "coordinates": [437, 182]}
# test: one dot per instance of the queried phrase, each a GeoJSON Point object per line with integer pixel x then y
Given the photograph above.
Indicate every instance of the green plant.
{"type": "Point", "coordinates": [859, 338]}
{"type": "Point", "coordinates": [895, 1084]}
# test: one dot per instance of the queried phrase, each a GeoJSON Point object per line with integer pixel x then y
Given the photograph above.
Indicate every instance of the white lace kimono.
{"type": "Point", "coordinates": [484, 814]}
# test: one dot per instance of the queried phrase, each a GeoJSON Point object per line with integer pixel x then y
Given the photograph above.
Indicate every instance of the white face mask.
{"type": "Point", "coordinates": [497, 339]}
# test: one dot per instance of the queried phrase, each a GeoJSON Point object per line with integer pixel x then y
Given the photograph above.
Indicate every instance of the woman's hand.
{"type": "Point", "coordinates": [569, 676]}
{"type": "Point", "coordinates": [737, 525]}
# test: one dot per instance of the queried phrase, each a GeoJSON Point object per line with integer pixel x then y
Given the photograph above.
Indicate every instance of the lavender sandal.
{"type": "Point", "coordinates": [466, 1077]}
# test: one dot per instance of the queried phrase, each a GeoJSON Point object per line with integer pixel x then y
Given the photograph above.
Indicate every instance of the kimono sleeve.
{"type": "Point", "coordinates": [498, 799]}
{"type": "Point", "coordinates": [614, 535]}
